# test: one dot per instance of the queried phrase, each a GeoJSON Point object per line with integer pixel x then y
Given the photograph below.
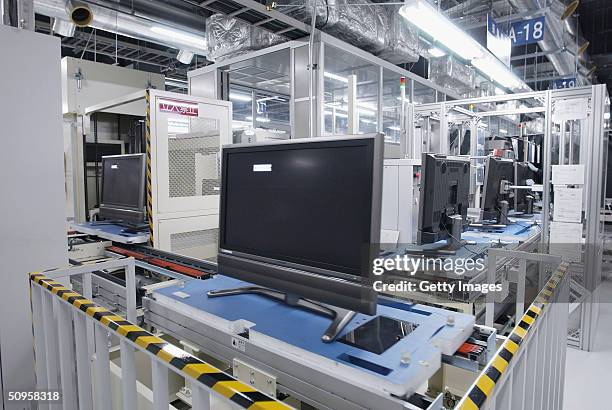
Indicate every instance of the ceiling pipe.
{"type": "Point", "coordinates": [107, 19]}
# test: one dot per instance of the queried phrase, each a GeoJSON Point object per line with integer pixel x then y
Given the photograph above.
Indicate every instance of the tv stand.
{"type": "Point", "coordinates": [503, 209]}
{"type": "Point", "coordinates": [340, 317]}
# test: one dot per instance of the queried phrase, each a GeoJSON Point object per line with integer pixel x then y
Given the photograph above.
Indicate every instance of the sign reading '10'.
{"type": "Point", "coordinates": [527, 31]}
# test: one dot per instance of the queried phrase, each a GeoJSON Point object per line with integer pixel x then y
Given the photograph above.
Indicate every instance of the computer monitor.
{"type": "Point", "coordinates": [302, 218]}
{"type": "Point", "coordinates": [444, 198]}
{"type": "Point", "coordinates": [497, 198]}
{"type": "Point", "coordinates": [123, 188]}
{"type": "Point", "coordinates": [523, 198]}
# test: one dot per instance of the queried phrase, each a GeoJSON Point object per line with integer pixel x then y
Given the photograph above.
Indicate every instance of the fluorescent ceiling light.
{"type": "Point", "coordinates": [393, 128]}
{"type": "Point", "coordinates": [436, 52]}
{"type": "Point", "coordinates": [366, 121]}
{"type": "Point", "coordinates": [335, 77]}
{"type": "Point", "coordinates": [240, 97]}
{"type": "Point", "coordinates": [258, 119]}
{"type": "Point", "coordinates": [503, 131]}
{"type": "Point", "coordinates": [491, 67]}
{"type": "Point", "coordinates": [198, 41]}
{"type": "Point", "coordinates": [483, 125]}
{"type": "Point", "coordinates": [441, 29]}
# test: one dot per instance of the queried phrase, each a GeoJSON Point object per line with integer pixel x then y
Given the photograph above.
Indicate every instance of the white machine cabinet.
{"type": "Point", "coordinates": [400, 208]}
{"type": "Point", "coordinates": [186, 135]}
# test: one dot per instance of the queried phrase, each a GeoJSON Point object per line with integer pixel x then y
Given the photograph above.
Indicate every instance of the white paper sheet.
{"type": "Point", "coordinates": [568, 174]}
{"type": "Point", "coordinates": [566, 240]}
{"type": "Point", "coordinates": [568, 205]}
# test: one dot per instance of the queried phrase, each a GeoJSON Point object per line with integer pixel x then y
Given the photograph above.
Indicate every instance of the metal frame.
{"type": "Point", "coordinates": [593, 136]}
{"type": "Point", "coordinates": [495, 254]}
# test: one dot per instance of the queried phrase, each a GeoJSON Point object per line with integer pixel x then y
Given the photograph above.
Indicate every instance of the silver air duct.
{"type": "Point", "coordinates": [63, 27]}
{"type": "Point", "coordinates": [377, 29]}
{"type": "Point", "coordinates": [81, 14]}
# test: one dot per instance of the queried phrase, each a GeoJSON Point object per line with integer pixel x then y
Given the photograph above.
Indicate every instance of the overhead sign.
{"type": "Point", "coordinates": [498, 41]}
{"type": "Point", "coordinates": [527, 31]}
{"type": "Point", "coordinates": [564, 83]}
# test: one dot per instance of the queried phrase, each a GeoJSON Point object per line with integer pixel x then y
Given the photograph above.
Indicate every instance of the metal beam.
{"type": "Point", "coordinates": [277, 15]}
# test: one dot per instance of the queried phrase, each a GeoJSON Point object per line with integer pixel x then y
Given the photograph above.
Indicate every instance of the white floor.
{"type": "Point", "coordinates": [587, 374]}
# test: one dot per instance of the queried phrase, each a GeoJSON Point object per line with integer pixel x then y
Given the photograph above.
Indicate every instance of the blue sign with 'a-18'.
{"type": "Point", "coordinates": [527, 31]}
{"type": "Point", "coordinates": [564, 83]}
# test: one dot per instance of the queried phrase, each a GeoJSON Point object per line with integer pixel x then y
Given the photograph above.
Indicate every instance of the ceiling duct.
{"type": "Point", "coordinates": [377, 29]}
{"type": "Point", "coordinates": [166, 33]}
{"type": "Point", "coordinates": [227, 37]}
{"type": "Point", "coordinates": [63, 27]}
{"type": "Point", "coordinates": [80, 14]}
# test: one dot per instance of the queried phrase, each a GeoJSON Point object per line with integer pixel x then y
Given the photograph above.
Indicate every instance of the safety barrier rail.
{"type": "Point", "coordinates": [69, 328]}
{"type": "Point", "coordinates": [528, 370]}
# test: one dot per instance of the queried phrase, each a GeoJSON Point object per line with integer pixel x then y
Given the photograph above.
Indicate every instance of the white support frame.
{"type": "Point", "coordinates": [64, 362]}
{"type": "Point", "coordinates": [529, 368]}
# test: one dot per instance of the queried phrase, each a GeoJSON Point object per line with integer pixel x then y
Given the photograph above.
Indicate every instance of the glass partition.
{"type": "Point", "coordinates": [338, 66]}
{"type": "Point", "coordinates": [392, 105]}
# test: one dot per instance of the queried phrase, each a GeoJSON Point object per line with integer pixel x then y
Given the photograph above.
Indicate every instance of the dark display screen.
{"type": "Point", "coordinates": [303, 203]}
{"type": "Point", "coordinates": [122, 181]}
{"type": "Point", "coordinates": [379, 334]}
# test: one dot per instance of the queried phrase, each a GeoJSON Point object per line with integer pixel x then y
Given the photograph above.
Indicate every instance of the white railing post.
{"type": "Point", "coordinates": [83, 361]}
{"type": "Point", "coordinates": [51, 348]}
{"type": "Point", "coordinates": [130, 290]}
{"type": "Point", "coordinates": [200, 398]}
{"type": "Point", "coordinates": [160, 386]}
{"type": "Point", "coordinates": [88, 293]}
{"type": "Point", "coordinates": [128, 375]}
{"type": "Point", "coordinates": [103, 385]}
{"type": "Point", "coordinates": [67, 362]}
{"type": "Point", "coordinates": [39, 341]}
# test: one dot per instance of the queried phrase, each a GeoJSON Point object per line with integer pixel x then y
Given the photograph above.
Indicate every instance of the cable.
{"type": "Point", "coordinates": [516, 222]}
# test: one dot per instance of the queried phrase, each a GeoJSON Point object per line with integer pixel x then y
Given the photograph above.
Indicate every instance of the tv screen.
{"type": "Point", "coordinates": [304, 203]}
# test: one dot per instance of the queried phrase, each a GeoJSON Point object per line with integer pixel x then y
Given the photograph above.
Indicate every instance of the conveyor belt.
{"type": "Point", "coordinates": [174, 263]}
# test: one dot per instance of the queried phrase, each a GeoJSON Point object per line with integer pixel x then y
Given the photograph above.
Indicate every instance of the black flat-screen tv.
{"type": "Point", "coordinates": [303, 217]}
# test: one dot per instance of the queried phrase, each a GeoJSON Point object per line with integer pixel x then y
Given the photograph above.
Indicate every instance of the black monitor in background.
{"type": "Point", "coordinates": [497, 198]}
{"type": "Point", "coordinates": [95, 151]}
{"type": "Point", "coordinates": [301, 218]}
{"type": "Point", "coordinates": [444, 198]}
{"type": "Point", "coordinates": [123, 189]}
{"type": "Point", "coordinates": [523, 198]}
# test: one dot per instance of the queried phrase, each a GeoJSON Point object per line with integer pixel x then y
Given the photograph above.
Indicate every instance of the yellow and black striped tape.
{"type": "Point", "coordinates": [149, 185]}
{"type": "Point", "coordinates": [238, 392]}
{"type": "Point", "coordinates": [483, 387]}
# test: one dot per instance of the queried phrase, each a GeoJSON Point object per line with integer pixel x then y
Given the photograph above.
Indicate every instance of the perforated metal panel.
{"type": "Point", "coordinates": [193, 157]}
{"type": "Point", "coordinates": [199, 244]}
